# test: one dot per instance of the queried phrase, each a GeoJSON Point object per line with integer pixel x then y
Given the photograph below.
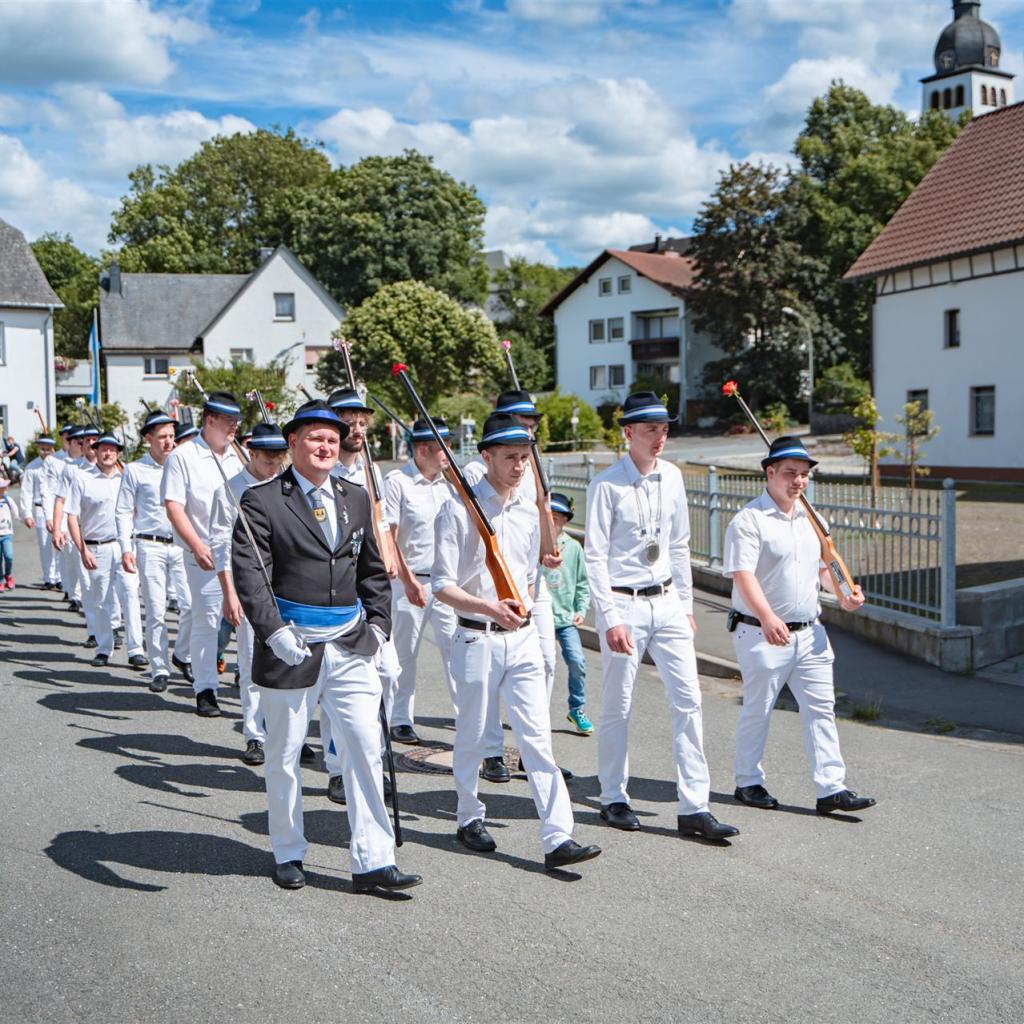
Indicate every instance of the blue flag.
{"type": "Point", "coordinates": [94, 356]}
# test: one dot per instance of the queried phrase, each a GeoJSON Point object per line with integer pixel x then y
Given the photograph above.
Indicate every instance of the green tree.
{"type": "Point", "coordinates": [918, 430]}
{"type": "Point", "coordinates": [870, 443]}
{"type": "Point", "coordinates": [558, 409]}
{"type": "Point", "coordinates": [388, 219]}
{"type": "Point", "coordinates": [839, 389]}
{"type": "Point", "coordinates": [241, 378]}
{"type": "Point", "coordinates": [448, 348]}
{"type": "Point", "coordinates": [214, 211]}
{"type": "Point", "coordinates": [74, 276]}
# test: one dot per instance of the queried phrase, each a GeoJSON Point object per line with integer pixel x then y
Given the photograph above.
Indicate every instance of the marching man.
{"type": "Point", "coordinates": [495, 650]}
{"type": "Point", "coordinates": [638, 564]}
{"type": "Point", "coordinates": [37, 509]}
{"type": "Point", "coordinates": [148, 548]}
{"type": "Point", "coordinates": [317, 621]}
{"type": "Point", "coordinates": [774, 558]}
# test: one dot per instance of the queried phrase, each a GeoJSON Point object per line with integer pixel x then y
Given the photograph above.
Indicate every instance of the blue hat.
{"type": "Point", "coordinates": [316, 411]}
{"type": "Point", "coordinates": [245, 436]}
{"type": "Point", "coordinates": [157, 418]}
{"type": "Point", "coordinates": [560, 503]}
{"type": "Point", "coordinates": [643, 407]}
{"type": "Point", "coordinates": [223, 402]}
{"type": "Point", "coordinates": [66, 429]}
{"type": "Point", "coordinates": [422, 432]}
{"type": "Point", "coordinates": [267, 437]}
{"type": "Point", "coordinates": [90, 431]}
{"type": "Point", "coordinates": [75, 434]}
{"type": "Point", "coordinates": [786, 448]}
{"type": "Point", "coordinates": [183, 431]}
{"type": "Point", "coordinates": [45, 439]}
{"type": "Point", "coordinates": [502, 428]}
{"type": "Point", "coordinates": [347, 400]}
{"type": "Point", "coordinates": [518, 402]}
{"type": "Point", "coordinates": [107, 439]}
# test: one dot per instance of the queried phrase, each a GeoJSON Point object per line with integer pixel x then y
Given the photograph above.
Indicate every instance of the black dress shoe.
{"type": "Point", "coordinates": [336, 789]}
{"type": "Point", "coordinates": [404, 734]}
{"type": "Point", "coordinates": [755, 796]}
{"type": "Point", "coordinates": [570, 852]}
{"type": "Point", "coordinates": [118, 640]}
{"type": "Point", "coordinates": [158, 683]}
{"type": "Point", "coordinates": [307, 755]}
{"type": "Point", "coordinates": [184, 667]}
{"type": "Point", "coordinates": [253, 753]}
{"type": "Point", "coordinates": [844, 800]}
{"type": "Point", "coordinates": [705, 825]}
{"type": "Point", "coordinates": [90, 642]}
{"type": "Point", "coordinates": [138, 662]}
{"type": "Point", "coordinates": [99, 660]}
{"type": "Point", "coordinates": [566, 774]}
{"type": "Point", "coordinates": [493, 770]}
{"type": "Point", "coordinates": [289, 874]}
{"type": "Point", "coordinates": [620, 815]}
{"type": "Point", "coordinates": [388, 879]}
{"type": "Point", "coordinates": [206, 704]}
{"type": "Point", "coordinates": [476, 838]}
{"type": "Point", "coordinates": [73, 605]}
{"type": "Point", "coordinates": [172, 606]}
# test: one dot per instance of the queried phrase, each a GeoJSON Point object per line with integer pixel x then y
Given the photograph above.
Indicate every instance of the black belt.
{"type": "Point", "coordinates": [793, 627]}
{"type": "Point", "coordinates": [422, 575]}
{"type": "Point", "coordinates": [656, 590]}
{"type": "Point", "coordinates": [490, 627]}
{"type": "Point", "coordinates": [95, 543]}
{"type": "Point", "coordinates": [37, 504]}
{"type": "Point", "coordinates": [154, 536]}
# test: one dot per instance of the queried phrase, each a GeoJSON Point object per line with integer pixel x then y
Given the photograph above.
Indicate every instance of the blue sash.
{"type": "Point", "coordinates": [313, 616]}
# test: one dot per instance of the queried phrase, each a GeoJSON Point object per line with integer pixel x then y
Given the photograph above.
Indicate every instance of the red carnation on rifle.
{"type": "Point", "coordinates": [398, 368]}
{"type": "Point", "coordinates": [270, 406]}
{"type": "Point", "coordinates": [730, 388]}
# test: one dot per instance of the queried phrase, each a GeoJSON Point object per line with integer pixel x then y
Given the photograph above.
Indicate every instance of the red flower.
{"type": "Point", "coordinates": [730, 388]}
{"type": "Point", "coordinates": [270, 406]}
{"type": "Point", "coordinates": [399, 368]}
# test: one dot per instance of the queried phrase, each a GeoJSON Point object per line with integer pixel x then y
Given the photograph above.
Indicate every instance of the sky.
{"type": "Point", "coordinates": [583, 124]}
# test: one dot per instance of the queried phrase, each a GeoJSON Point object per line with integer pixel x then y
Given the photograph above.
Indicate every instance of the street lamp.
{"type": "Point", "coordinates": [790, 311]}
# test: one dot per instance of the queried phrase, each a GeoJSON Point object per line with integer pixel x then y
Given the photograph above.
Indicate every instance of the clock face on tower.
{"type": "Point", "coordinates": [947, 60]}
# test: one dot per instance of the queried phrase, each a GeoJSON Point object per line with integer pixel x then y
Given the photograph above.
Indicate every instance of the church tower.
{"type": "Point", "coordinates": [967, 72]}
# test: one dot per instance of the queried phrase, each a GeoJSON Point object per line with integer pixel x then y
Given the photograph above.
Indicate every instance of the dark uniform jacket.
{"type": "Point", "coordinates": [303, 569]}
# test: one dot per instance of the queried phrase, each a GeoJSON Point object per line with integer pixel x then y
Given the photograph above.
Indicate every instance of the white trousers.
{"type": "Point", "coordinates": [408, 623]}
{"type": "Point", "coordinates": [47, 552]}
{"type": "Point", "coordinates": [109, 583]}
{"type": "Point", "coordinates": [253, 727]}
{"type": "Point", "coordinates": [207, 606]}
{"type": "Point", "coordinates": [162, 570]}
{"type": "Point", "coordinates": [659, 625]}
{"type": "Point", "coordinates": [348, 690]}
{"type": "Point", "coordinates": [486, 665]}
{"type": "Point", "coordinates": [71, 568]}
{"type": "Point", "coordinates": [805, 663]}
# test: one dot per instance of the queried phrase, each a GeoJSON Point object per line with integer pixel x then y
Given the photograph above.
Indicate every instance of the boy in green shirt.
{"type": "Point", "coordinates": [570, 599]}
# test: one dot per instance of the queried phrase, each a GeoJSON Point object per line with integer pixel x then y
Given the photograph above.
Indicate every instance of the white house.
{"type": "Point", "coordinates": [150, 323]}
{"type": "Point", "coordinates": [27, 305]}
{"type": "Point", "coordinates": [948, 324]}
{"type": "Point", "coordinates": [624, 317]}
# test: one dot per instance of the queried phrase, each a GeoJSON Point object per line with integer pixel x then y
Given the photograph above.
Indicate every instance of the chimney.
{"type": "Point", "coordinates": [114, 279]}
{"type": "Point", "coordinates": [266, 252]}
{"type": "Point", "coordinates": [657, 242]}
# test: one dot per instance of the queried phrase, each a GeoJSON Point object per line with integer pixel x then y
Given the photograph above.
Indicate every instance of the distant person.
{"type": "Point", "coordinates": [13, 452]}
{"type": "Point", "coordinates": [8, 514]}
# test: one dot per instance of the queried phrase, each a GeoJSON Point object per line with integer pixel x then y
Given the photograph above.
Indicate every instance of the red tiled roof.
{"type": "Point", "coordinates": [673, 272]}
{"type": "Point", "coordinates": [970, 201]}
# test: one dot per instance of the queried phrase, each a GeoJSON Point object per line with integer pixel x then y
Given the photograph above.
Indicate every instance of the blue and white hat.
{"type": "Point", "coordinates": [223, 402]}
{"type": "Point", "coordinates": [316, 411]}
{"type": "Point", "coordinates": [422, 432]}
{"type": "Point", "coordinates": [76, 433]}
{"type": "Point", "coordinates": [46, 440]}
{"type": "Point", "coordinates": [518, 402]}
{"type": "Point", "coordinates": [66, 429]}
{"type": "Point", "coordinates": [347, 400]}
{"type": "Point", "coordinates": [561, 503]}
{"type": "Point", "coordinates": [502, 428]}
{"type": "Point", "coordinates": [157, 418]}
{"type": "Point", "coordinates": [786, 448]}
{"type": "Point", "coordinates": [90, 431]}
{"type": "Point", "coordinates": [643, 407]}
{"type": "Point", "coordinates": [183, 431]}
{"type": "Point", "coordinates": [267, 437]}
{"type": "Point", "coordinates": [107, 439]}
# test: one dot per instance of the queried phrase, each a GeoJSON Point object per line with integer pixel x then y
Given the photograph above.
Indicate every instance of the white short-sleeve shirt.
{"type": "Point", "coordinates": [413, 503]}
{"type": "Point", "coordinates": [191, 478]}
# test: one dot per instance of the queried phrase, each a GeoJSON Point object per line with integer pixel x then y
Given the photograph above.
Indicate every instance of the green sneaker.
{"type": "Point", "coordinates": [580, 720]}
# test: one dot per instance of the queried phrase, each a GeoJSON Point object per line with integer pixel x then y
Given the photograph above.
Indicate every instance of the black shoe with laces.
{"type": "Point", "coordinates": [755, 796]}
{"type": "Point", "coordinates": [138, 662]}
{"type": "Point", "coordinates": [336, 789]}
{"type": "Point", "coordinates": [100, 660]}
{"type": "Point", "coordinates": [253, 754]}
{"type": "Point", "coordinates": [844, 801]}
{"type": "Point", "coordinates": [184, 667]}
{"type": "Point", "coordinates": [570, 852]}
{"type": "Point", "coordinates": [493, 770]}
{"type": "Point", "coordinates": [475, 837]}
{"type": "Point", "coordinates": [90, 642]}
{"type": "Point", "coordinates": [206, 704]}
{"type": "Point", "coordinates": [158, 683]}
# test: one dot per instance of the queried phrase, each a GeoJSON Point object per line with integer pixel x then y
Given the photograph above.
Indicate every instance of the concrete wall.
{"type": "Point", "coordinates": [26, 372]}
{"type": "Point", "coordinates": [127, 381]}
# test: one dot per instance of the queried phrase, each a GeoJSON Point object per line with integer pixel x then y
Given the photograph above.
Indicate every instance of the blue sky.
{"type": "Point", "coordinates": [583, 123]}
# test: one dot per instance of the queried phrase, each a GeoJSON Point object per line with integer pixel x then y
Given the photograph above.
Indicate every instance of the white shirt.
{"type": "Point", "coordinates": [782, 551]}
{"type": "Point", "coordinates": [475, 470]}
{"type": "Point", "coordinates": [69, 470]}
{"type": "Point", "coordinates": [459, 550]}
{"type": "Point", "coordinates": [356, 474]}
{"type": "Point", "coordinates": [622, 520]}
{"type": "Point", "coordinates": [36, 492]}
{"type": "Point", "coordinates": [191, 478]}
{"type": "Point", "coordinates": [92, 498]}
{"type": "Point", "coordinates": [139, 508]}
{"type": "Point", "coordinates": [326, 496]}
{"type": "Point", "coordinates": [223, 516]}
{"type": "Point", "coordinates": [413, 502]}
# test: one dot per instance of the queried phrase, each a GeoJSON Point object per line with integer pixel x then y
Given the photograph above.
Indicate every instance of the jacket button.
{"type": "Point", "coordinates": [332, 561]}
{"type": "Point", "coordinates": [333, 592]}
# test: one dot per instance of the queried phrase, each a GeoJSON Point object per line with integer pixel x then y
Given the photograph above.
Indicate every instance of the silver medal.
{"type": "Point", "coordinates": [652, 551]}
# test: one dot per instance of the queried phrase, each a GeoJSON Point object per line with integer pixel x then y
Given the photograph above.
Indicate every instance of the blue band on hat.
{"type": "Point", "coordinates": [278, 444]}
{"type": "Point", "coordinates": [90, 432]}
{"type": "Point", "coordinates": [355, 402]}
{"type": "Point", "coordinates": [560, 506]}
{"type": "Point", "coordinates": [514, 433]}
{"type": "Point", "coordinates": [426, 435]}
{"type": "Point", "coordinates": [313, 616]}
{"type": "Point", "coordinates": [645, 411]}
{"type": "Point", "coordinates": [787, 452]}
{"type": "Point", "coordinates": [228, 410]}
{"type": "Point", "coordinates": [523, 408]}
{"type": "Point", "coordinates": [157, 421]}
{"type": "Point", "coordinates": [323, 415]}
{"type": "Point", "coordinates": [107, 439]}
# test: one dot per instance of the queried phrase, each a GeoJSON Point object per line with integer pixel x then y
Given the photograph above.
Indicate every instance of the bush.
{"type": "Point", "coordinates": [557, 411]}
{"type": "Point", "coordinates": [839, 389]}
{"type": "Point", "coordinates": [454, 407]}
{"type": "Point", "coordinates": [775, 418]}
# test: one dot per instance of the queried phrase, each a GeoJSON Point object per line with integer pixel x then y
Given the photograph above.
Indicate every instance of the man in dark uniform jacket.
{"type": "Point", "coordinates": [316, 632]}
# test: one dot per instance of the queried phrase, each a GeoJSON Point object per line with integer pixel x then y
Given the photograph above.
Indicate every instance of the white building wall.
{"type": "Point", "coordinates": [972, 81]}
{"type": "Point", "coordinates": [910, 354]}
{"type": "Point", "coordinates": [127, 380]}
{"type": "Point", "coordinates": [26, 372]}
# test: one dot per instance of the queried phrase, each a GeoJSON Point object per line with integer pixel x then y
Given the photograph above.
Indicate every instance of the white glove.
{"type": "Point", "coordinates": [285, 645]}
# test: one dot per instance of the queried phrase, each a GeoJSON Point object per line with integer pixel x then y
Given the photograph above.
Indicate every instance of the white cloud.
{"type": "Point", "coordinates": [123, 41]}
{"type": "Point", "coordinates": [567, 13]}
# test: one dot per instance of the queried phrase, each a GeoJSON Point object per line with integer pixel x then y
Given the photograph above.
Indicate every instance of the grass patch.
{"type": "Point", "coordinates": [940, 725]}
{"type": "Point", "coordinates": [867, 711]}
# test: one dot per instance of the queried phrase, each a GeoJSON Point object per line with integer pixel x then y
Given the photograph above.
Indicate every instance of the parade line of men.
{"type": "Point", "coordinates": [283, 547]}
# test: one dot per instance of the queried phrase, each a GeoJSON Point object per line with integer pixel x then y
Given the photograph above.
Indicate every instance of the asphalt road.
{"type": "Point", "coordinates": [134, 880]}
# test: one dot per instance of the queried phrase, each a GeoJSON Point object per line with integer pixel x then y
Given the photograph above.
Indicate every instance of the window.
{"type": "Point", "coordinates": [655, 371]}
{"type": "Point", "coordinates": [1002, 97]}
{"type": "Point", "coordinates": [3, 345]}
{"type": "Point", "coordinates": [154, 367]}
{"type": "Point", "coordinates": [935, 99]}
{"type": "Point", "coordinates": [947, 97]}
{"type": "Point", "coordinates": [984, 95]}
{"type": "Point", "coordinates": [284, 305]}
{"type": "Point", "coordinates": [983, 411]}
{"type": "Point", "coordinates": [616, 329]}
{"type": "Point", "coordinates": [598, 378]}
{"type": "Point", "coordinates": [616, 376]}
{"type": "Point", "coordinates": [959, 95]}
{"type": "Point", "coordinates": [604, 286]}
{"type": "Point", "coordinates": [625, 284]}
{"type": "Point", "coordinates": [952, 328]}
{"type": "Point", "coordinates": [596, 331]}
{"type": "Point", "coordinates": [242, 355]}
{"type": "Point", "coordinates": [920, 396]}
{"type": "Point", "coordinates": [313, 356]}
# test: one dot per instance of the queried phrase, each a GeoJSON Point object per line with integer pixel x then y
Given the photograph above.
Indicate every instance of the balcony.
{"type": "Point", "coordinates": [647, 349]}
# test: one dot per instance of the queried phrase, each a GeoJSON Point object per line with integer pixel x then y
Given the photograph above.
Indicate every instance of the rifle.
{"type": "Point", "coordinates": [504, 585]}
{"type": "Point", "coordinates": [385, 540]}
{"type": "Point", "coordinates": [190, 374]}
{"type": "Point", "coordinates": [255, 396]}
{"type": "Point", "coordinates": [42, 422]}
{"type": "Point", "coordinates": [840, 574]}
{"type": "Point", "coordinates": [393, 415]}
{"type": "Point", "coordinates": [548, 533]}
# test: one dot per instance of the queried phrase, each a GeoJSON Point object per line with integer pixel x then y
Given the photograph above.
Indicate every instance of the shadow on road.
{"type": "Point", "coordinates": [106, 704]}
{"type": "Point", "coordinates": [170, 778]}
{"type": "Point", "coordinates": [154, 746]}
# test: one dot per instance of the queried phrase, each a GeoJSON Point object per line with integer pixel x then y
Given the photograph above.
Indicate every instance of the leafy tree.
{"type": "Point", "coordinates": [558, 409]}
{"type": "Point", "coordinates": [838, 388]}
{"type": "Point", "coordinates": [390, 219]}
{"type": "Point", "coordinates": [454, 408]}
{"type": "Point", "coordinates": [870, 443]}
{"type": "Point", "coordinates": [919, 430]}
{"type": "Point", "coordinates": [447, 347]}
{"type": "Point", "coordinates": [74, 276]}
{"type": "Point", "coordinates": [213, 212]}
{"type": "Point", "coordinates": [241, 378]}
